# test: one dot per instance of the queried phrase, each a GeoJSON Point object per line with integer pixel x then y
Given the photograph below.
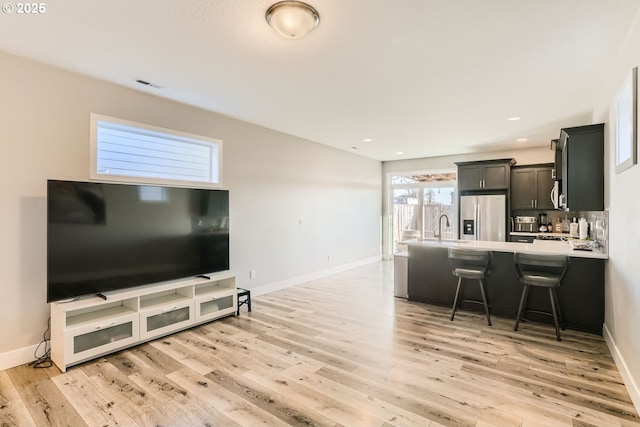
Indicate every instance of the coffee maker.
{"type": "Point", "coordinates": [543, 220]}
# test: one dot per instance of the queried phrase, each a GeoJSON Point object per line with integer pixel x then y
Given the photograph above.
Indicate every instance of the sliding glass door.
{"type": "Point", "coordinates": [419, 200]}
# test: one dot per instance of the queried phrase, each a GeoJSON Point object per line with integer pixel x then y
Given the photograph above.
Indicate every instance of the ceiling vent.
{"type": "Point", "coordinates": [146, 83]}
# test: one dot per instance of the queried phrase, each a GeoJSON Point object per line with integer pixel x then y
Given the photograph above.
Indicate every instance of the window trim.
{"type": "Point", "coordinates": [93, 155]}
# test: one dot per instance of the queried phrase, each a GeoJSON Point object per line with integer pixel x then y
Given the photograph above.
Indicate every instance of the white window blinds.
{"type": "Point", "coordinates": [127, 151]}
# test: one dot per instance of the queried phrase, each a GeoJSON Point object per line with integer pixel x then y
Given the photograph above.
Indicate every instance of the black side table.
{"type": "Point", "coordinates": [246, 294]}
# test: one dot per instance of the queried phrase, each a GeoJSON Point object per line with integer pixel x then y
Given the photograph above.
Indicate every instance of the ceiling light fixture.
{"type": "Point", "coordinates": [292, 19]}
{"type": "Point", "coordinates": [399, 153]}
{"type": "Point", "coordinates": [513, 119]}
{"type": "Point", "coordinates": [367, 140]}
{"type": "Point", "coordinates": [521, 140]}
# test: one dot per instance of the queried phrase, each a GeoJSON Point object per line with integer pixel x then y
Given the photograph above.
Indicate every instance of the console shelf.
{"type": "Point", "coordinates": [87, 328]}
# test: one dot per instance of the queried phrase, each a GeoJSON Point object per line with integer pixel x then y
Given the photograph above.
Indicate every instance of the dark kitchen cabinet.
{"type": "Point", "coordinates": [485, 175]}
{"type": "Point", "coordinates": [582, 184]}
{"type": "Point", "coordinates": [531, 187]}
{"type": "Point", "coordinates": [522, 239]}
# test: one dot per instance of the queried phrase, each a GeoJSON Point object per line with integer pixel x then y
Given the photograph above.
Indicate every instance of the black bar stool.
{"type": "Point", "coordinates": [545, 271]}
{"type": "Point", "coordinates": [246, 294]}
{"type": "Point", "coordinates": [470, 264]}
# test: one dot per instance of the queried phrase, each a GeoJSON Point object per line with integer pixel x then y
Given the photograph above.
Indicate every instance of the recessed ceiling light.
{"type": "Point", "coordinates": [513, 119]}
{"type": "Point", "coordinates": [399, 152]}
{"type": "Point", "coordinates": [367, 140]}
{"type": "Point", "coordinates": [522, 140]}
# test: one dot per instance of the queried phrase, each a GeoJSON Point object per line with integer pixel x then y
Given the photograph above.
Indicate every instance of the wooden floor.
{"type": "Point", "coordinates": [339, 351]}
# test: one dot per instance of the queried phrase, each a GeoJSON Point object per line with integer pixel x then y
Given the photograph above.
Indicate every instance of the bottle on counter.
{"type": "Point", "coordinates": [573, 229]}
{"type": "Point", "coordinates": [558, 228]}
{"type": "Point", "coordinates": [565, 225]}
{"type": "Point", "coordinates": [583, 228]}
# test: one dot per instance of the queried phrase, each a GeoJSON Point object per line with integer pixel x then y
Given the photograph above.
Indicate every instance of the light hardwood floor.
{"type": "Point", "coordinates": [339, 351]}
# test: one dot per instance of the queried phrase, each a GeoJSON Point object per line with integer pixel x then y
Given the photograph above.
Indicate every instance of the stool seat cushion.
{"type": "Point", "coordinates": [468, 273]}
{"type": "Point", "coordinates": [536, 279]}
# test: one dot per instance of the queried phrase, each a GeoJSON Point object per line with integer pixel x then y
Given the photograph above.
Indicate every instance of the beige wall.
{"type": "Point", "coordinates": [622, 199]}
{"type": "Point", "coordinates": [293, 203]}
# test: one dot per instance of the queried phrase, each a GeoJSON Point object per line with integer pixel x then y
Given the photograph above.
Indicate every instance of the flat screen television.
{"type": "Point", "coordinates": [107, 237]}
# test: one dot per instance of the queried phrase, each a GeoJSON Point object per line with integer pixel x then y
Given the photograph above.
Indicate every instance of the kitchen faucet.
{"type": "Point", "coordinates": [439, 236]}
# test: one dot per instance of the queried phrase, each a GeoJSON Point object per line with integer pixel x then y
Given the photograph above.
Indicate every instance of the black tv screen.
{"type": "Point", "coordinates": [105, 237]}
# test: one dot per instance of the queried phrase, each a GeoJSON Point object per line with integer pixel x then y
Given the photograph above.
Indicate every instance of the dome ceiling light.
{"type": "Point", "coordinates": [292, 19]}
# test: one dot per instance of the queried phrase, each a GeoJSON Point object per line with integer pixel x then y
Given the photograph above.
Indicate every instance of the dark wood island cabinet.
{"type": "Point", "coordinates": [581, 294]}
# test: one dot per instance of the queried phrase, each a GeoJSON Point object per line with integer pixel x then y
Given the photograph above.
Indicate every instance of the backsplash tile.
{"type": "Point", "coordinates": [599, 228]}
{"type": "Point", "coordinates": [598, 224]}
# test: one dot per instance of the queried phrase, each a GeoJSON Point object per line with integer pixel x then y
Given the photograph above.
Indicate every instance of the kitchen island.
{"type": "Point", "coordinates": [581, 295]}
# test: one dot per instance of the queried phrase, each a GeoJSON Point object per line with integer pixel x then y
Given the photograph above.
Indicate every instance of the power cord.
{"type": "Point", "coordinates": [44, 361]}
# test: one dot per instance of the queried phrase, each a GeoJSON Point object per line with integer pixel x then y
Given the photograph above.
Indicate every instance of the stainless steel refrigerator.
{"type": "Point", "coordinates": [483, 217]}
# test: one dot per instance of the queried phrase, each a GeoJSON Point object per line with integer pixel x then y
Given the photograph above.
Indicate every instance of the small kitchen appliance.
{"type": "Point", "coordinates": [527, 224]}
{"type": "Point", "coordinates": [542, 220]}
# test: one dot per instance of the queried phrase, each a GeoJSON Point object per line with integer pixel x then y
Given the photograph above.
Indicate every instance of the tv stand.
{"type": "Point", "coordinates": [91, 327]}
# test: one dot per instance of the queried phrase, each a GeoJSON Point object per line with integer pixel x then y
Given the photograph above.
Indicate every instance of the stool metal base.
{"type": "Point", "coordinates": [555, 310]}
{"type": "Point", "coordinates": [484, 300]}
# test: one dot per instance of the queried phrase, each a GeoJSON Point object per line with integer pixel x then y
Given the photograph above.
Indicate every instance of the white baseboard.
{"type": "Point", "coordinates": [627, 377]}
{"type": "Point", "coordinates": [283, 284]}
{"type": "Point", "coordinates": [17, 357]}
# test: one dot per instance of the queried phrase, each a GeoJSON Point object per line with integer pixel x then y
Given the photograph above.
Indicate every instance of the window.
{"type": "Point", "coordinates": [127, 151]}
{"type": "Point", "coordinates": [418, 201]}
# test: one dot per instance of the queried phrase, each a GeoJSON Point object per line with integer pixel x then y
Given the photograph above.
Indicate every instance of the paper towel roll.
{"type": "Point", "coordinates": [583, 228]}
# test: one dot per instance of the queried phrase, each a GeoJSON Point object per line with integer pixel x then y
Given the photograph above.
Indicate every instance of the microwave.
{"type": "Point", "coordinates": [556, 197]}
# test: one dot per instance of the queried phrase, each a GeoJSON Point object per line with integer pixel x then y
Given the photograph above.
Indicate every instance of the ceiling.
{"type": "Point", "coordinates": [421, 77]}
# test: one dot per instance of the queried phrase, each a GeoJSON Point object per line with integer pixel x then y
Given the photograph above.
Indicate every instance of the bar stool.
{"type": "Point", "coordinates": [470, 264]}
{"type": "Point", "coordinates": [545, 271]}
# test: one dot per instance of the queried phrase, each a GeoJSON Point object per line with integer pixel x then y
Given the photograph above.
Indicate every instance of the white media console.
{"type": "Point", "coordinates": [91, 327]}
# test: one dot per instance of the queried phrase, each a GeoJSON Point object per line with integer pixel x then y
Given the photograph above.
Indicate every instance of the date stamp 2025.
{"type": "Point", "coordinates": [24, 8]}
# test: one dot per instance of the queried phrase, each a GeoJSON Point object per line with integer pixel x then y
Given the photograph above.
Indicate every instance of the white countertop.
{"type": "Point", "coordinates": [538, 233]}
{"type": "Point", "coordinates": [550, 247]}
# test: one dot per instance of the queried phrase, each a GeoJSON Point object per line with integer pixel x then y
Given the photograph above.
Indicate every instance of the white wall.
{"type": "Point", "coordinates": [525, 156]}
{"type": "Point", "coordinates": [293, 204]}
{"type": "Point", "coordinates": [622, 290]}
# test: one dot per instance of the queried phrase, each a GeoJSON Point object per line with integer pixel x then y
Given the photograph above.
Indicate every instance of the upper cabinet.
{"type": "Point", "coordinates": [485, 175]}
{"type": "Point", "coordinates": [582, 168]}
{"type": "Point", "coordinates": [531, 187]}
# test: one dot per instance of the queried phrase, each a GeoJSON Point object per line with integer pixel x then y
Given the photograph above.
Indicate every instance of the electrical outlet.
{"type": "Point", "coordinates": [252, 274]}
{"type": "Point", "coordinates": [328, 258]}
